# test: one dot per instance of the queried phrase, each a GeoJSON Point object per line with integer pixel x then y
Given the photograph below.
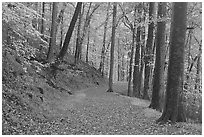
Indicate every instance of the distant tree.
{"type": "Point", "coordinates": [112, 48]}
{"type": "Point", "coordinates": [198, 71]}
{"type": "Point", "coordinates": [132, 27]}
{"type": "Point", "coordinates": [88, 18]}
{"type": "Point", "coordinates": [42, 20]}
{"type": "Point", "coordinates": [173, 109]}
{"type": "Point", "coordinates": [148, 55]}
{"type": "Point", "coordinates": [101, 66]}
{"type": "Point", "coordinates": [158, 80]}
{"type": "Point", "coordinates": [87, 45]}
{"type": "Point", "coordinates": [60, 21]}
{"type": "Point", "coordinates": [83, 32]}
{"type": "Point", "coordinates": [119, 59]}
{"type": "Point", "coordinates": [69, 32]}
{"type": "Point", "coordinates": [52, 43]}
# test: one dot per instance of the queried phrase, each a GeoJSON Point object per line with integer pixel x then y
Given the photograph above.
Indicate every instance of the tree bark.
{"type": "Point", "coordinates": [149, 53]}
{"type": "Point", "coordinates": [141, 81]}
{"type": "Point", "coordinates": [174, 110]}
{"type": "Point", "coordinates": [69, 32]}
{"type": "Point", "coordinates": [158, 80]}
{"type": "Point", "coordinates": [136, 73]}
{"type": "Point", "coordinates": [130, 66]}
{"type": "Point", "coordinates": [52, 43]}
{"type": "Point", "coordinates": [122, 67]}
{"type": "Point", "coordinates": [112, 49]}
{"type": "Point", "coordinates": [119, 62]}
{"type": "Point", "coordinates": [78, 40]}
{"type": "Point", "coordinates": [87, 46]}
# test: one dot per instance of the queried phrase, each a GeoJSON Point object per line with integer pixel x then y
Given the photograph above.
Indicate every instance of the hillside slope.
{"type": "Point", "coordinates": [30, 94]}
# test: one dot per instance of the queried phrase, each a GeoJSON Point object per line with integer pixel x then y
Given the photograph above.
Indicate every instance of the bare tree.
{"type": "Point", "coordinates": [112, 48]}
{"type": "Point", "coordinates": [52, 43]}
{"type": "Point", "coordinates": [69, 33]}
{"type": "Point", "coordinates": [101, 67]}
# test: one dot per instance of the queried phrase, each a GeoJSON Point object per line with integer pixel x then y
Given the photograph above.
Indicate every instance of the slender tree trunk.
{"type": "Point", "coordinates": [119, 61]}
{"type": "Point", "coordinates": [61, 33]}
{"type": "Point", "coordinates": [136, 73]}
{"type": "Point", "coordinates": [86, 25]}
{"type": "Point", "coordinates": [42, 20]}
{"type": "Point", "coordinates": [127, 74]}
{"type": "Point", "coordinates": [158, 80]}
{"type": "Point", "coordinates": [112, 49]}
{"type": "Point", "coordinates": [37, 22]}
{"type": "Point", "coordinates": [60, 23]}
{"type": "Point", "coordinates": [188, 45]}
{"type": "Point", "coordinates": [174, 110]}
{"type": "Point", "coordinates": [141, 81]}
{"type": "Point", "coordinates": [198, 72]}
{"type": "Point", "coordinates": [149, 54]}
{"type": "Point", "coordinates": [145, 94]}
{"type": "Point", "coordinates": [87, 46]}
{"type": "Point", "coordinates": [52, 43]}
{"type": "Point", "coordinates": [101, 67]}
{"type": "Point", "coordinates": [69, 32]}
{"type": "Point", "coordinates": [130, 66]}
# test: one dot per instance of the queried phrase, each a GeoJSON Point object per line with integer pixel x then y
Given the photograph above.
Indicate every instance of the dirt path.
{"type": "Point", "coordinates": [94, 111]}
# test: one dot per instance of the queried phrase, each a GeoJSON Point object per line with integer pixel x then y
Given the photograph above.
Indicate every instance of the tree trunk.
{"type": "Point", "coordinates": [69, 32]}
{"type": "Point", "coordinates": [198, 72]}
{"type": "Point", "coordinates": [145, 94]}
{"type": "Point", "coordinates": [173, 109]}
{"type": "Point", "coordinates": [119, 62]}
{"type": "Point", "coordinates": [188, 44]}
{"type": "Point", "coordinates": [78, 45]}
{"type": "Point", "coordinates": [42, 20]}
{"type": "Point", "coordinates": [136, 90]}
{"type": "Point", "coordinates": [158, 80]}
{"type": "Point", "coordinates": [52, 43]}
{"type": "Point", "coordinates": [61, 32]}
{"type": "Point", "coordinates": [130, 66]}
{"type": "Point", "coordinates": [86, 24]}
{"type": "Point", "coordinates": [112, 49]}
{"type": "Point", "coordinates": [141, 81]}
{"type": "Point", "coordinates": [122, 68]}
{"type": "Point", "coordinates": [37, 18]}
{"type": "Point", "coordinates": [136, 73]}
{"type": "Point", "coordinates": [149, 54]}
{"type": "Point", "coordinates": [85, 27]}
{"type": "Point", "coordinates": [87, 46]}
{"type": "Point", "coordinates": [101, 67]}
{"type": "Point", "coordinates": [61, 23]}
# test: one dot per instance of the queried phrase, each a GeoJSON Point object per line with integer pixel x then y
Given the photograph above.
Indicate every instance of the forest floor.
{"type": "Point", "coordinates": [95, 111]}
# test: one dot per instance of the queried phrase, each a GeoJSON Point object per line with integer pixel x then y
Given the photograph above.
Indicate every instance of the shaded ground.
{"type": "Point", "coordinates": [94, 111]}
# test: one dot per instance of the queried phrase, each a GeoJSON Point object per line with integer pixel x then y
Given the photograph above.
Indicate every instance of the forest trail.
{"type": "Point", "coordinates": [95, 111]}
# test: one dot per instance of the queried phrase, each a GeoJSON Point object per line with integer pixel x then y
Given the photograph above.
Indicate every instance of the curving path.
{"type": "Point", "coordinates": [94, 111]}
